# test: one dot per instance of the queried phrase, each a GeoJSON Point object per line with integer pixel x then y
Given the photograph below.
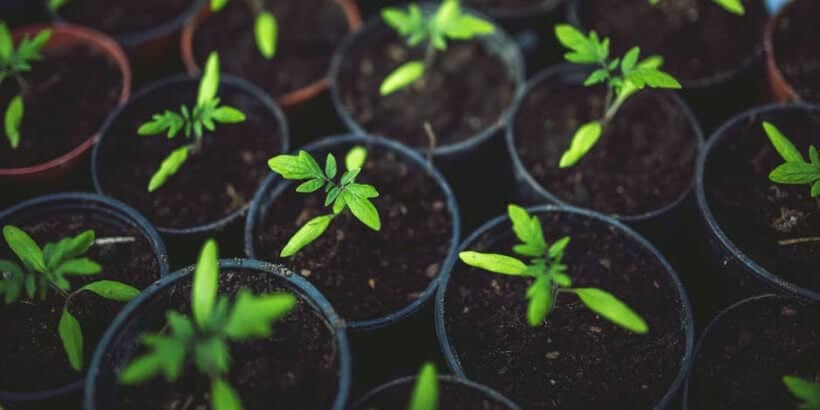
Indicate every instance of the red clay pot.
{"type": "Point", "coordinates": [781, 90]}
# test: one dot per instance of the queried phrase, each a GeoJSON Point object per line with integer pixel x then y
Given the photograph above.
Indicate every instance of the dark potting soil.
{"type": "Point", "coordinates": [367, 274]}
{"type": "Point", "coordinates": [796, 55]}
{"type": "Point", "coordinates": [575, 360]}
{"type": "Point", "coordinates": [697, 38]}
{"type": "Point", "coordinates": [31, 350]}
{"type": "Point", "coordinates": [452, 396]}
{"type": "Point", "coordinates": [503, 4]}
{"type": "Point", "coordinates": [309, 31]}
{"type": "Point", "coordinates": [221, 178]}
{"type": "Point", "coordinates": [643, 162]}
{"type": "Point", "coordinates": [70, 93]}
{"type": "Point", "coordinates": [294, 369]}
{"type": "Point", "coordinates": [121, 17]}
{"type": "Point", "coordinates": [465, 91]}
{"type": "Point", "coordinates": [755, 213]}
{"type": "Point", "coordinates": [742, 362]}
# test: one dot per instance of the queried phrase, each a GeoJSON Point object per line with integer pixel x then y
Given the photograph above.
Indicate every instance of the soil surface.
{"type": "Point", "coordinates": [69, 94]}
{"type": "Point", "coordinates": [296, 368]}
{"type": "Point", "coordinates": [32, 352]}
{"type": "Point", "coordinates": [123, 17]}
{"type": "Point", "coordinates": [452, 396]}
{"type": "Point", "coordinates": [465, 91]}
{"type": "Point", "coordinates": [213, 183]}
{"type": "Point", "coordinates": [302, 56]}
{"type": "Point", "coordinates": [742, 362]}
{"type": "Point", "coordinates": [755, 213]}
{"type": "Point", "coordinates": [697, 38]}
{"type": "Point", "coordinates": [503, 4]}
{"type": "Point", "coordinates": [643, 162]}
{"type": "Point", "coordinates": [796, 54]}
{"type": "Point", "coordinates": [367, 274]}
{"type": "Point", "coordinates": [576, 360]}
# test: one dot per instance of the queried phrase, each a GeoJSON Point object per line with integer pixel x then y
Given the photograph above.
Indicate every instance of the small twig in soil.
{"type": "Point", "coordinates": [798, 241]}
{"type": "Point", "coordinates": [431, 136]}
{"type": "Point", "coordinates": [114, 240]}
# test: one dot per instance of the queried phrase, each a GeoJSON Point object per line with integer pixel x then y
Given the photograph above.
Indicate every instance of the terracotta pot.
{"type": "Point", "coordinates": [292, 99]}
{"type": "Point", "coordinates": [781, 90]}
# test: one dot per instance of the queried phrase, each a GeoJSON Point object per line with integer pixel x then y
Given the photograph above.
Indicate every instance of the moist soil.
{"type": "Point", "coordinates": [796, 55]}
{"type": "Point", "coordinates": [755, 213]}
{"type": "Point", "coordinates": [576, 359]}
{"type": "Point", "coordinates": [698, 39]}
{"type": "Point", "coordinates": [32, 352]}
{"type": "Point", "coordinates": [122, 17]}
{"type": "Point", "coordinates": [302, 56]}
{"type": "Point", "coordinates": [643, 162]}
{"type": "Point", "coordinates": [367, 274]}
{"type": "Point", "coordinates": [213, 183]}
{"type": "Point", "coordinates": [452, 396]}
{"type": "Point", "coordinates": [465, 91]}
{"type": "Point", "coordinates": [742, 362]}
{"type": "Point", "coordinates": [69, 94]}
{"type": "Point", "coordinates": [297, 368]}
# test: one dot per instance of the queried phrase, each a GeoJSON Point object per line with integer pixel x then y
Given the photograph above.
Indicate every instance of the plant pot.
{"type": "Point", "coordinates": [575, 359]}
{"type": "Point", "coordinates": [40, 172]}
{"type": "Point", "coordinates": [790, 77]}
{"type": "Point", "coordinates": [145, 29]}
{"type": "Point", "coordinates": [48, 219]}
{"type": "Point", "coordinates": [720, 54]}
{"type": "Point", "coordinates": [467, 105]}
{"type": "Point", "coordinates": [746, 215]}
{"type": "Point", "coordinates": [454, 394]}
{"type": "Point", "coordinates": [202, 200]}
{"type": "Point", "coordinates": [413, 251]}
{"type": "Point", "coordinates": [746, 350]}
{"type": "Point", "coordinates": [314, 322]}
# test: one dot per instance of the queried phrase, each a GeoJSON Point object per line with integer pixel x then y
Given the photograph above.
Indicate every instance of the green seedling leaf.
{"type": "Point", "coordinates": [72, 337]}
{"type": "Point", "coordinates": [217, 5]}
{"type": "Point", "coordinates": [223, 396]}
{"type": "Point", "coordinates": [815, 189]}
{"type": "Point", "coordinates": [14, 117]}
{"type": "Point", "coordinates": [583, 49]}
{"type": "Point", "coordinates": [425, 391]}
{"type": "Point", "coordinates": [807, 392]}
{"type": "Point", "coordinates": [209, 83]}
{"type": "Point", "coordinates": [363, 209]}
{"type": "Point", "coordinates": [495, 263]}
{"type": "Point", "coordinates": [76, 246]}
{"type": "Point", "coordinates": [206, 283]}
{"type": "Point", "coordinates": [330, 166]}
{"type": "Point", "coordinates": [292, 167]}
{"type": "Point", "coordinates": [541, 300]}
{"type": "Point", "coordinates": [212, 356]}
{"type": "Point", "coordinates": [6, 42]}
{"type": "Point", "coordinates": [584, 139]}
{"type": "Point", "coordinates": [355, 158]}
{"type": "Point", "coordinates": [267, 31]}
{"type": "Point", "coordinates": [228, 115]}
{"type": "Point", "coordinates": [795, 173]}
{"type": "Point", "coordinates": [466, 27]}
{"type": "Point", "coordinates": [306, 235]}
{"type": "Point", "coordinates": [140, 370]}
{"type": "Point", "coordinates": [253, 316]}
{"type": "Point", "coordinates": [734, 6]}
{"type": "Point", "coordinates": [169, 167]}
{"type": "Point", "coordinates": [406, 74]}
{"type": "Point", "coordinates": [24, 247]}
{"type": "Point", "coordinates": [312, 185]}
{"type": "Point", "coordinates": [112, 290]}
{"type": "Point", "coordinates": [612, 309]}
{"type": "Point", "coordinates": [784, 147]}
{"type": "Point", "coordinates": [79, 266]}
{"type": "Point", "coordinates": [55, 5]}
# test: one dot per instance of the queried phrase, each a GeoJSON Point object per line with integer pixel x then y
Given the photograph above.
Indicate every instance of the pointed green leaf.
{"type": "Point", "coordinates": [13, 119]}
{"type": "Point", "coordinates": [266, 30]}
{"type": "Point", "coordinates": [406, 74]}
{"type": "Point", "coordinates": [330, 166]}
{"type": "Point", "coordinates": [112, 290]}
{"type": "Point", "coordinates": [169, 167]}
{"type": "Point", "coordinates": [815, 189]}
{"type": "Point", "coordinates": [206, 283]}
{"type": "Point", "coordinates": [254, 316]}
{"type": "Point", "coordinates": [79, 266]}
{"type": "Point", "coordinates": [72, 337]}
{"type": "Point", "coordinates": [291, 167]}
{"type": "Point", "coordinates": [807, 392]}
{"type": "Point", "coordinates": [733, 6]}
{"type": "Point", "coordinates": [24, 247]}
{"type": "Point", "coordinates": [612, 309]}
{"type": "Point", "coordinates": [794, 173]}
{"type": "Point", "coordinates": [493, 262]}
{"type": "Point", "coordinates": [355, 158]}
{"type": "Point", "coordinates": [584, 139]}
{"type": "Point", "coordinates": [541, 300]}
{"type": "Point", "coordinates": [363, 190]}
{"type": "Point", "coordinates": [209, 83]}
{"type": "Point", "coordinates": [363, 210]}
{"type": "Point", "coordinates": [426, 389]}
{"type": "Point", "coordinates": [784, 147]}
{"type": "Point", "coordinates": [141, 369]}
{"type": "Point", "coordinates": [312, 185]}
{"type": "Point", "coordinates": [6, 42]}
{"type": "Point", "coordinates": [630, 59]}
{"type": "Point", "coordinates": [308, 233]}
{"type": "Point", "coordinates": [228, 115]}
{"type": "Point", "coordinates": [217, 5]}
{"type": "Point", "coordinates": [223, 396]}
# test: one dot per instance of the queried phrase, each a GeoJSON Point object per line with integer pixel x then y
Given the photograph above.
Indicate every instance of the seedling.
{"type": "Point", "coordinates": [795, 170]}
{"type": "Point", "coordinates": [266, 29]}
{"type": "Point", "coordinates": [634, 75]}
{"type": "Point", "coordinates": [204, 116]}
{"type": "Point", "coordinates": [346, 194]}
{"type": "Point", "coordinates": [425, 391]}
{"type": "Point", "coordinates": [549, 274]}
{"type": "Point", "coordinates": [732, 6]}
{"type": "Point", "coordinates": [46, 269]}
{"type": "Point", "coordinates": [449, 22]}
{"type": "Point", "coordinates": [13, 63]}
{"type": "Point", "coordinates": [204, 338]}
{"type": "Point", "coordinates": [805, 391]}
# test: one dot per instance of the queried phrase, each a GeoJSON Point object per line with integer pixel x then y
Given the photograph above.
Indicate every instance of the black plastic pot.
{"type": "Point", "coordinates": [407, 383]}
{"type": "Point", "coordinates": [185, 242]}
{"type": "Point", "coordinates": [738, 273]}
{"type": "Point", "coordinates": [120, 341]}
{"type": "Point", "coordinates": [112, 210]}
{"type": "Point", "coordinates": [686, 320]}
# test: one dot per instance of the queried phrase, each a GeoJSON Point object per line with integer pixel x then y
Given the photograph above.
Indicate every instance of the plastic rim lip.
{"type": "Point", "coordinates": [686, 318]}
{"type": "Point", "coordinates": [709, 217]}
{"type": "Point", "coordinates": [273, 186]}
{"type": "Point", "coordinates": [518, 165]}
{"type": "Point", "coordinates": [239, 83]}
{"type": "Point", "coordinates": [307, 291]}
{"type": "Point", "coordinates": [515, 67]}
{"type": "Point", "coordinates": [485, 390]}
{"type": "Point", "coordinates": [138, 221]}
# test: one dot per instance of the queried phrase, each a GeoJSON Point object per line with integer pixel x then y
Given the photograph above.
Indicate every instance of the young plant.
{"type": "Point", "coordinates": [449, 22]}
{"type": "Point", "coordinates": [45, 269]}
{"type": "Point", "coordinates": [266, 29]}
{"type": "Point", "coordinates": [13, 63]}
{"type": "Point", "coordinates": [623, 77]}
{"type": "Point", "coordinates": [204, 338]}
{"type": "Point", "coordinates": [425, 391]}
{"type": "Point", "coordinates": [795, 170]}
{"type": "Point", "coordinates": [345, 194]}
{"type": "Point", "coordinates": [805, 391]}
{"type": "Point", "coordinates": [549, 274]}
{"type": "Point", "coordinates": [204, 116]}
{"type": "Point", "coordinates": [732, 6]}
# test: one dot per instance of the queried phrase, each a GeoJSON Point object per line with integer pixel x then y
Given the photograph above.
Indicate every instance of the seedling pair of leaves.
{"type": "Point", "coordinates": [13, 63]}
{"type": "Point", "coordinates": [807, 392]}
{"type": "Point", "coordinates": [795, 170]}
{"type": "Point", "coordinates": [266, 28]}
{"type": "Point", "coordinates": [449, 22]}
{"type": "Point", "coordinates": [732, 6]}
{"type": "Point", "coordinates": [44, 270]}
{"type": "Point", "coordinates": [204, 338]}
{"type": "Point", "coordinates": [623, 77]}
{"type": "Point", "coordinates": [549, 275]}
{"type": "Point", "coordinates": [192, 122]}
{"type": "Point", "coordinates": [345, 194]}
